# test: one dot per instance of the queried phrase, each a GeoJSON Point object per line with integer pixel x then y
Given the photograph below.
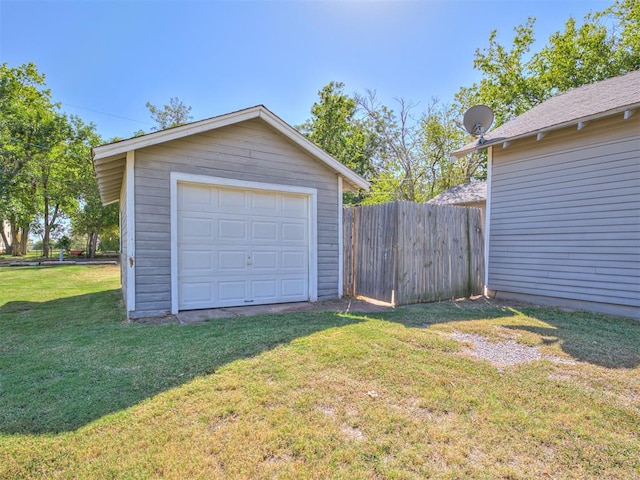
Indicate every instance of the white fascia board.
{"type": "Point", "coordinates": [313, 149]}
{"type": "Point", "coordinates": [313, 246]}
{"type": "Point", "coordinates": [131, 232]}
{"type": "Point", "coordinates": [340, 246]}
{"type": "Point", "coordinates": [173, 220]}
{"type": "Point", "coordinates": [576, 122]}
{"type": "Point", "coordinates": [112, 151]}
{"type": "Point", "coordinates": [487, 220]}
{"type": "Point", "coordinates": [121, 147]}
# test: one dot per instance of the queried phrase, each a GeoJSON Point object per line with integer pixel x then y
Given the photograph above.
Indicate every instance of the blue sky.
{"type": "Point", "coordinates": [105, 59]}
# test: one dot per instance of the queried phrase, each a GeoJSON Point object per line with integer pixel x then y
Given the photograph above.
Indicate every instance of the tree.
{"type": "Point", "coordinates": [61, 177]}
{"type": "Point", "coordinates": [28, 127]}
{"type": "Point", "coordinates": [91, 218]}
{"type": "Point", "coordinates": [441, 135]}
{"type": "Point", "coordinates": [401, 173]}
{"type": "Point", "coordinates": [173, 114]}
{"type": "Point", "coordinates": [626, 15]}
{"type": "Point", "coordinates": [507, 85]}
{"type": "Point", "coordinates": [94, 219]}
{"type": "Point", "coordinates": [335, 127]}
{"type": "Point", "coordinates": [405, 157]}
{"type": "Point", "coordinates": [514, 81]}
{"type": "Point", "coordinates": [64, 243]}
{"type": "Point", "coordinates": [45, 156]}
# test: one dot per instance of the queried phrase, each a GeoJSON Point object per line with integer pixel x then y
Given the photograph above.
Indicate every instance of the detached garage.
{"type": "Point", "coordinates": [239, 209]}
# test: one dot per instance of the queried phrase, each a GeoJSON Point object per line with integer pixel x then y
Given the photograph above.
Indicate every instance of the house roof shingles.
{"type": "Point", "coordinates": [585, 103]}
{"type": "Point", "coordinates": [461, 194]}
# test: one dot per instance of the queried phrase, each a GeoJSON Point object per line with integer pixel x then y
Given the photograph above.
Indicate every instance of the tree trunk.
{"type": "Point", "coordinates": [24, 239]}
{"type": "Point", "coordinates": [47, 229]}
{"type": "Point", "coordinates": [15, 241]}
{"type": "Point", "coordinates": [94, 244]}
{"type": "Point", "coordinates": [48, 225]}
{"type": "Point", "coordinates": [5, 240]}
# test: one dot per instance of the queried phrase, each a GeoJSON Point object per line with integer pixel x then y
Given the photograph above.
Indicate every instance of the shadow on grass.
{"type": "Point", "coordinates": [612, 342]}
{"type": "Point", "coordinates": [607, 341]}
{"type": "Point", "coordinates": [67, 362]}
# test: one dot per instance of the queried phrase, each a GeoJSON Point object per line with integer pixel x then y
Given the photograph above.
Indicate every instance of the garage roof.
{"type": "Point", "coordinates": [109, 160]}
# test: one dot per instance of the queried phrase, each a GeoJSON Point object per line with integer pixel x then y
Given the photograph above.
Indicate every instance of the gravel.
{"type": "Point", "coordinates": [508, 352]}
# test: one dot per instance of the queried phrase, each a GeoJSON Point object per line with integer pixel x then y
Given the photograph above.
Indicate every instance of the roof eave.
{"type": "Point", "coordinates": [467, 149]}
{"type": "Point", "coordinates": [104, 155]}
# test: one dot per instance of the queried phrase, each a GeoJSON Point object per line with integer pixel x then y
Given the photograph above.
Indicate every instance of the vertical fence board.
{"type": "Point", "coordinates": [404, 252]}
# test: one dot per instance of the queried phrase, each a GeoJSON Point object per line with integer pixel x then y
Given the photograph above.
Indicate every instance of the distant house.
{"type": "Point", "coordinates": [472, 194]}
{"type": "Point", "coordinates": [239, 209]}
{"type": "Point", "coordinates": [563, 200]}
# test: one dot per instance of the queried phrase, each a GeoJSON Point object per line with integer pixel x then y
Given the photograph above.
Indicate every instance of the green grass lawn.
{"type": "Point", "coordinates": [84, 394]}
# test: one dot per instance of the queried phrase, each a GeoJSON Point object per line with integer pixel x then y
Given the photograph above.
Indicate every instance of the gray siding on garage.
{"type": "Point", "coordinates": [565, 216]}
{"type": "Point", "coordinates": [250, 151]}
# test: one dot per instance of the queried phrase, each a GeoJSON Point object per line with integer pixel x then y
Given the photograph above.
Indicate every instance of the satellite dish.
{"type": "Point", "coordinates": [477, 121]}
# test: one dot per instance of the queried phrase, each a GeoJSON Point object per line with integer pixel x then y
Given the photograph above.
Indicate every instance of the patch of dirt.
{"type": "Point", "coordinates": [164, 320]}
{"type": "Point", "coordinates": [351, 433]}
{"type": "Point", "coordinates": [504, 353]}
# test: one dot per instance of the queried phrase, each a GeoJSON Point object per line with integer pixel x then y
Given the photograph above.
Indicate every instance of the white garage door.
{"type": "Point", "coordinates": [241, 247]}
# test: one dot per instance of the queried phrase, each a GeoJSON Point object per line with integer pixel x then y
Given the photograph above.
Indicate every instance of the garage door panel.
{"type": "Point", "coordinates": [264, 202]}
{"type": "Point", "coordinates": [196, 293]}
{"type": "Point", "coordinates": [264, 260]}
{"type": "Point", "coordinates": [232, 292]}
{"type": "Point", "coordinates": [239, 247]}
{"type": "Point", "coordinates": [292, 260]}
{"type": "Point", "coordinates": [232, 229]}
{"type": "Point", "coordinates": [232, 260]}
{"type": "Point", "coordinates": [195, 196]}
{"type": "Point", "coordinates": [294, 288]}
{"type": "Point", "coordinates": [294, 232]}
{"type": "Point", "coordinates": [294, 206]}
{"type": "Point", "coordinates": [193, 260]}
{"type": "Point", "coordinates": [231, 199]}
{"type": "Point", "coordinates": [264, 231]}
{"type": "Point", "coordinates": [263, 291]}
{"type": "Point", "coordinates": [198, 228]}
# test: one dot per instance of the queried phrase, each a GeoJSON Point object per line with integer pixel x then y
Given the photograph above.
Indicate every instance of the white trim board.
{"type": "Point", "coordinates": [130, 194]}
{"type": "Point", "coordinates": [178, 177]}
{"type": "Point", "coordinates": [487, 220]}
{"type": "Point", "coordinates": [340, 246]}
{"type": "Point", "coordinates": [107, 157]}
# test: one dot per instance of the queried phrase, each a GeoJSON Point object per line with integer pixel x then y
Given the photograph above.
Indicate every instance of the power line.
{"type": "Point", "coordinates": [106, 114]}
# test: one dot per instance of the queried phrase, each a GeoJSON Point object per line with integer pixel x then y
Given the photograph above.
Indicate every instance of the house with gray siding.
{"type": "Point", "coordinates": [239, 209]}
{"type": "Point", "coordinates": [563, 200]}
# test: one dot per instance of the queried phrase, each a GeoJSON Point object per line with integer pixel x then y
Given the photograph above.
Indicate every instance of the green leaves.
{"type": "Point", "coordinates": [336, 127]}
{"type": "Point", "coordinates": [173, 114]}
{"type": "Point", "coordinates": [405, 157]}
{"type": "Point", "coordinates": [605, 45]}
{"type": "Point", "coordinates": [46, 166]}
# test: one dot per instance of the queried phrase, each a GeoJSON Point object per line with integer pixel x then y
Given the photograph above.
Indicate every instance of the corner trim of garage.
{"type": "Point", "coordinates": [179, 177]}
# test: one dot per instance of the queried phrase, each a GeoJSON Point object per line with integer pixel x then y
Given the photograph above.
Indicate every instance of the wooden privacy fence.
{"type": "Point", "coordinates": [406, 252]}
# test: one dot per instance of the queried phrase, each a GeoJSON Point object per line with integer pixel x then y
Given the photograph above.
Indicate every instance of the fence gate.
{"type": "Point", "coordinates": [406, 252]}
